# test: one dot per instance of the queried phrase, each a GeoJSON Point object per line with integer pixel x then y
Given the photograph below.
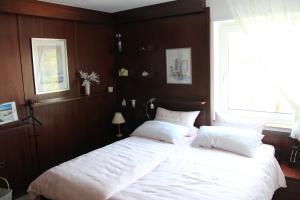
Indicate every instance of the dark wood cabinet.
{"type": "Point", "coordinates": [16, 157]}
{"type": "Point", "coordinates": [292, 192]}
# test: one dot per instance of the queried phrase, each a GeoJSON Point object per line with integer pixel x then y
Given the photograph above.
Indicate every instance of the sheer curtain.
{"type": "Point", "coordinates": [273, 27]}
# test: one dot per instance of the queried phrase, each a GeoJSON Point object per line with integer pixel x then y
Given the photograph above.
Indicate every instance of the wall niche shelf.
{"type": "Point", "coordinates": [135, 77]}
{"type": "Point", "coordinates": [139, 50]}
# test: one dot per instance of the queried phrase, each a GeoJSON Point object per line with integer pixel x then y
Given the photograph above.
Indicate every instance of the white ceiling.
{"type": "Point", "coordinates": [109, 6]}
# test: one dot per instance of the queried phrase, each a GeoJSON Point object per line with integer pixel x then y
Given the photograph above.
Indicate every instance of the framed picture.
{"type": "Point", "coordinates": [8, 113]}
{"type": "Point", "coordinates": [179, 66]}
{"type": "Point", "coordinates": [50, 65]}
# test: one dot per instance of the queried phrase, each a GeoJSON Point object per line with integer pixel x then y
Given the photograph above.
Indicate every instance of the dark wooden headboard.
{"type": "Point", "coordinates": [185, 105]}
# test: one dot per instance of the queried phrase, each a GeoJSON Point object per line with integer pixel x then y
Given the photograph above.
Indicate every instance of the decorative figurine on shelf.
{"type": "Point", "coordinates": [119, 42]}
{"type": "Point", "coordinates": [87, 80]}
{"type": "Point", "coordinates": [123, 72]}
{"type": "Point", "coordinates": [145, 74]}
{"type": "Point", "coordinates": [123, 103]}
{"type": "Point", "coordinates": [133, 101]}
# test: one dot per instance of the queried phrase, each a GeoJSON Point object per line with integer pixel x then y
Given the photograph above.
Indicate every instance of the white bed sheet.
{"type": "Point", "coordinates": [208, 174]}
{"type": "Point", "coordinates": [103, 172]}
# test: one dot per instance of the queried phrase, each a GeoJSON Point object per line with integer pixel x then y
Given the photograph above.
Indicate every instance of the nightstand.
{"type": "Point", "coordinates": [292, 176]}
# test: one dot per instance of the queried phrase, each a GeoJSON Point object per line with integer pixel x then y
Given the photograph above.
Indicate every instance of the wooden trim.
{"type": "Point", "coordinates": [163, 10]}
{"type": "Point", "coordinates": [13, 126]}
{"type": "Point", "coordinates": [208, 51]}
{"type": "Point", "coordinates": [44, 9]}
{"type": "Point", "coordinates": [65, 99]}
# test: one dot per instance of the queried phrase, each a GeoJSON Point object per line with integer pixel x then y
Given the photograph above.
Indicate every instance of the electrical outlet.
{"type": "Point", "coordinates": [2, 164]}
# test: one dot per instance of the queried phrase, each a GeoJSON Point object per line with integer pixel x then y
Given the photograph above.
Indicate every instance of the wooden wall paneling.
{"type": "Point", "coordinates": [36, 27]}
{"type": "Point", "coordinates": [11, 87]}
{"type": "Point", "coordinates": [73, 128]}
{"type": "Point", "coordinates": [61, 129]}
{"type": "Point", "coordinates": [44, 9]}
{"type": "Point", "coordinates": [97, 114]}
{"type": "Point", "coordinates": [94, 52]}
{"type": "Point", "coordinates": [173, 32]}
{"type": "Point", "coordinates": [16, 157]}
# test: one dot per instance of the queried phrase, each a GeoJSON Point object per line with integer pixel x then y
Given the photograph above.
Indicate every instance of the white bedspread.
{"type": "Point", "coordinates": [205, 174]}
{"type": "Point", "coordinates": [103, 172]}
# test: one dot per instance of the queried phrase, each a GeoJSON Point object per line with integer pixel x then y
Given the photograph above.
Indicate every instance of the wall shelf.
{"type": "Point", "coordinates": [64, 99]}
{"type": "Point", "coordinates": [133, 77]}
{"type": "Point", "coordinates": [14, 126]}
{"type": "Point", "coordinates": [139, 50]}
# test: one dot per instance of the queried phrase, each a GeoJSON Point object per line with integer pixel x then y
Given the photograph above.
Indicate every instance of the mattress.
{"type": "Point", "coordinates": [209, 174]}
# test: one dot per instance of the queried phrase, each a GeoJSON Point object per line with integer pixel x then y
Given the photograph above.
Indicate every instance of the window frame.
{"type": "Point", "coordinates": [220, 85]}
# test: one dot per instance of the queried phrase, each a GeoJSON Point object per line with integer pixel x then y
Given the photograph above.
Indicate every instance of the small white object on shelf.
{"type": "Point", "coordinates": [145, 74]}
{"type": "Point", "coordinates": [110, 89]}
{"type": "Point", "coordinates": [124, 103]}
{"type": "Point", "coordinates": [133, 101]}
{"type": "Point", "coordinates": [123, 72]}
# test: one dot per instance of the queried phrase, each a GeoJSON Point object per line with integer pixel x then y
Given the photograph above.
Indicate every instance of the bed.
{"type": "Point", "coordinates": [140, 168]}
{"type": "Point", "coordinates": [204, 174]}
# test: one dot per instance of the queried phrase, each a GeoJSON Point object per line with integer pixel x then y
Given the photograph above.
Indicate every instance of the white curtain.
{"type": "Point", "coordinates": [273, 26]}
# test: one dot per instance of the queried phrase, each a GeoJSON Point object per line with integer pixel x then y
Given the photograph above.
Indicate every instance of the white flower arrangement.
{"type": "Point", "coordinates": [89, 78]}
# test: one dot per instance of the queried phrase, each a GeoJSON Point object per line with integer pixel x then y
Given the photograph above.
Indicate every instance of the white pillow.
{"type": "Point", "coordinates": [236, 140]}
{"type": "Point", "coordinates": [163, 131]}
{"type": "Point", "coordinates": [224, 120]}
{"type": "Point", "coordinates": [177, 117]}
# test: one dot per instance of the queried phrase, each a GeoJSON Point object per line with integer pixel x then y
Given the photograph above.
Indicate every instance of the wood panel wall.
{"type": "Point", "coordinates": [156, 35]}
{"type": "Point", "coordinates": [72, 124]}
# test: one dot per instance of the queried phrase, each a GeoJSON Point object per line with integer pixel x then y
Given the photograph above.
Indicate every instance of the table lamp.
{"type": "Point", "coordinates": [118, 119]}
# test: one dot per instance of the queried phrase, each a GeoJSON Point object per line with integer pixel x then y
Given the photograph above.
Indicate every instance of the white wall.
{"type": "Point", "coordinates": [219, 10]}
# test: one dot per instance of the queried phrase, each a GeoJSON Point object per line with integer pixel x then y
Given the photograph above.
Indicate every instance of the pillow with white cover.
{"type": "Point", "coordinates": [163, 131]}
{"type": "Point", "coordinates": [230, 121]}
{"type": "Point", "coordinates": [186, 119]}
{"type": "Point", "coordinates": [236, 140]}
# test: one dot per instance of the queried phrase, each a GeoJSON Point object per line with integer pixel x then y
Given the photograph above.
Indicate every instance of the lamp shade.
{"type": "Point", "coordinates": [118, 118]}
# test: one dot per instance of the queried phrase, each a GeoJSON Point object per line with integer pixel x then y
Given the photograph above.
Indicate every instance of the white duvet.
{"type": "Point", "coordinates": [207, 174]}
{"type": "Point", "coordinates": [103, 172]}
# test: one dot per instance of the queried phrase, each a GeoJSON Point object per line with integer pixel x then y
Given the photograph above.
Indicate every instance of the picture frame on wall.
{"type": "Point", "coordinates": [50, 65]}
{"type": "Point", "coordinates": [179, 66]}
{"type": "Point", "coordinates": [8, 113]}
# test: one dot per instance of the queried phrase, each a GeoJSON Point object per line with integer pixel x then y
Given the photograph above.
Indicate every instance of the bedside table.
{"type": "Point", "coordinates": [292, 176]}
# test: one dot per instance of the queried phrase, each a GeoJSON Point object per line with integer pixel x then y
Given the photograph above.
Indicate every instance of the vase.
{"type": "Point", "coordinates": [87, 89]}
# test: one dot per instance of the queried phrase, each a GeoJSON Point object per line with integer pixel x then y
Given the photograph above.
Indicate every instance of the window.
{"type": "Point", "coordinates": [245, 76]}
